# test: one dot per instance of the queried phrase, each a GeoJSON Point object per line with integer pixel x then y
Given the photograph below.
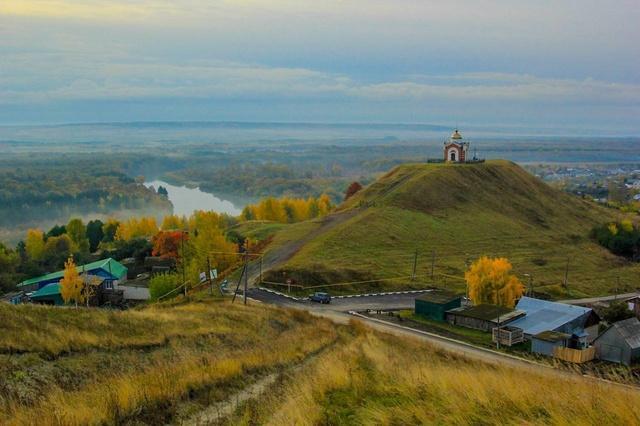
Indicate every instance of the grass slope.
{"type": "Point", "coordinates": [219, 363]}
{"type": "Point", "coordinates": [376, 379]}
{"type": "Point", "coordinates": [454, 213]}
{"type": "Point", "coordinates": [62, 366]}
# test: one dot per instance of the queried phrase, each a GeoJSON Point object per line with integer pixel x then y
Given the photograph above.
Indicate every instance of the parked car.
{"type": "Point", "coordinates": [320, 297]}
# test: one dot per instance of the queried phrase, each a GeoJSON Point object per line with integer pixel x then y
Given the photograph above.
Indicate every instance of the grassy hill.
{"type": "Point", "coordinates": [450, 214]}
{"type": "Point", "coordinates": [210, 362]}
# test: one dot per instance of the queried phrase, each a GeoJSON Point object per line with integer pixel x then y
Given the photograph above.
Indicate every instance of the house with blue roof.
{"type": "Point", "coordinates": [45, 289]}
{"type": "Point", "coordinates": [545, 316]}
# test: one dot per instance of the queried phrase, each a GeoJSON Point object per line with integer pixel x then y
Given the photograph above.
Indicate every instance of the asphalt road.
{"type": "Point", "coordinates": [589, 300]}
{"type": "Point", "coordinates": [361, 303]}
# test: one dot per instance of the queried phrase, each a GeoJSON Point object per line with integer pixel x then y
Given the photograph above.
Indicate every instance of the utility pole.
{"type": "Point", "coordinates": [566, 274]}
{"type": "Point", "coordinates": [183, 260]}
{"type": "Point", "coordinates": [209, 275]}
{"type": "Point", "coordinates": [530, 287]}
{"type": "Point", "coordinates": [433, 263]}
{"type": "Point", "coordinates": [415, 265]}
{"type": "Point", "coordinates": [246, 269]}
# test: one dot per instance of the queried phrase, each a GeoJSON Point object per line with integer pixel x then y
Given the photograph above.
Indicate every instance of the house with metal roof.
{"type": "Point", "coordinates": [48, 295]}
{"type": "Point", "coordinates": [620, 342]}
{"type": "Point", "coordinates": [108, 270]}
{"type": "Point", "coordinates": [483, 317]}
{"type": "Point", "coordinates": [46, 288]}
{"type": "Point", "coordinates": [546, 341]}
{"type": "Point", "coordinates": [543, 315]}
{"type": "Point", "coordinates": [435, 304]}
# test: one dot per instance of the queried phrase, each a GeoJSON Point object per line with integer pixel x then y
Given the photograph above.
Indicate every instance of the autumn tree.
{"type": "Point", "coordinates": [143, 227]}
{"type": "Point", "coordinates": [490, 281]}
{"type": "Point", "coordinates": [172, 222]}
{"type": "Point", "coordinates": [168, 243]}
{"type": "Point", "coordinates": [34, 243]}
{"type": "Point", "coordinates": [352, 190]}
{"type": "Point", "coordinates": [288, 210]}
{"type": "Point", "coordinates": [71, 285]}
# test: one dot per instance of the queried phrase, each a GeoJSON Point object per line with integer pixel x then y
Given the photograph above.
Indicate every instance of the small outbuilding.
{"type": "Point", "coordinates": [545, 342]}
{"type": "Point", "coordinates": [483, 317]}
{"type": "Point", "coordinates": [620, 343]}
{"type": "Point", "coordinates": [435, 304]}
{"type": "Point", "coordinates": [48, 295]}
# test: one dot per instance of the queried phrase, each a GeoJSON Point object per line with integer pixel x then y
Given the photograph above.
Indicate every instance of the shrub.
{"type": "Point", "coordinates": [615, 312]}
{"type": "Point", "coordinates": [162, 284]}
{"type": "Point", "coordinates": [621, 238]}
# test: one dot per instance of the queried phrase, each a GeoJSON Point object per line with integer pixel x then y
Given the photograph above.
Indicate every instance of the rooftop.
{"type": "Point", "coordinates": [109, 265]}
{"type": "Point", "coordinates": [47, 290]}
{"type": "Point", "coordinates": [543, 315]}
{"type": "Point", "coordinates": [439, 297]}
{"type": "Point", "coordinates": [486, 312]}
{"type": "Point", "coordinates": [552, 336]}
{"type": "Point", "coordinates": [629, 329]}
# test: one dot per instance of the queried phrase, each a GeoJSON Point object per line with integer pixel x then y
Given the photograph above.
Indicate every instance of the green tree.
{"type": "Point", "coordinates": [78, 234]}
{"type": "Point", "coordinates": [56, 250]}
{"type": "Point", "coordinates": [34, 244]}
{"type": "Point", "coordinates": [56, 231]}
{"type": "Point", "coordinates": [162, 284]}
{"type": "Point", "coordinates": [109, 230]}
{"type": "Point", "coordinates": [9, 261]}
{"type": "Point", "coordinates": [95, 234]}
{"type": "Point", "coordinates": [616, 311]}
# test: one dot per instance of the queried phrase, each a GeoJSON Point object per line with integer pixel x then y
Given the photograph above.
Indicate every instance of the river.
{"type": "Point", "coordinates": [187, 200]}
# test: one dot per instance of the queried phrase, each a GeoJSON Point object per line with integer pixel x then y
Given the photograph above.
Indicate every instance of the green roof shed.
{"type": "Point", "coordinates": [435, 304]}
{"type": "Point", "coordinates": [48, 295]}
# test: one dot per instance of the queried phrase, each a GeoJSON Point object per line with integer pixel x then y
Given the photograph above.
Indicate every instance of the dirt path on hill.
{"type": "Point", "coordinates": [215, 413]}
{"type": "Point", "coordinates": [280, 255]}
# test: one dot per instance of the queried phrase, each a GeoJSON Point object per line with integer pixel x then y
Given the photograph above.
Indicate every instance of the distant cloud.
{"type": "Point", "coordinates": [374, 60]}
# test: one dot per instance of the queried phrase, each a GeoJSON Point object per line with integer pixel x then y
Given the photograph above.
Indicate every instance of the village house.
{"type": "Point", "coordinates": [543, 315]}
{"type": "Point", "coordinates": [110, 277]}
{"type": "Point", "coordinates": [620, 343]}
{"type": "Point", "coordinates": [483, 317]}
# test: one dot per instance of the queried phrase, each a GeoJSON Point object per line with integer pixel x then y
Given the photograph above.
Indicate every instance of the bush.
{"type": "Point", "coordinates": [621, 238]}
{"type": "Point", "coordinates": [615, 312]}
{"type": "Point", "coordinates": [162, 284]}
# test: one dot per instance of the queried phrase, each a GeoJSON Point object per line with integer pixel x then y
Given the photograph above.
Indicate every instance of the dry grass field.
{"type": "Point", "coordinates": [229, 364]}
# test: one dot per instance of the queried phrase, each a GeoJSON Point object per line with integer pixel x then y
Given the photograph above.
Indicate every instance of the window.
{"type": "Point", "coordinates": [108, 285]}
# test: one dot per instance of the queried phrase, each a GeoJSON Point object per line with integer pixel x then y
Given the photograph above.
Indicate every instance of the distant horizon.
{"type": "Point", "coordinates": [508, 130]}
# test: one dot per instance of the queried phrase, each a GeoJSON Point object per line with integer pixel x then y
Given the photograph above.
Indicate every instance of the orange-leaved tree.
{"type": "Point", "coordinates": [71, 284]}
{"type": "Point", "coordinates": [490, 281]}
{"type": "Point", "coordinates": [168, 243]}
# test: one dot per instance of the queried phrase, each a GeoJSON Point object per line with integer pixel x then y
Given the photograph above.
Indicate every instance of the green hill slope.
{"type": "Point", "coordinates": [452, 214]}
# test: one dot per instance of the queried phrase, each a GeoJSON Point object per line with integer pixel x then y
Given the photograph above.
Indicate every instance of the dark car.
{"type": "Point", "coordinates": [320, 297]}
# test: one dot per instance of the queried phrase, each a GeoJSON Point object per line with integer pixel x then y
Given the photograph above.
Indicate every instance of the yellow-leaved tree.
{"type": "Point", "coordinates": [491, 281]}
{"type": "Point", "coordinates": [71, 284]}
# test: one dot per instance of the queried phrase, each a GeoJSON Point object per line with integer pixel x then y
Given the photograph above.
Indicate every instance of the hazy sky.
{"type": "Point", "coordinates": [537, 63]}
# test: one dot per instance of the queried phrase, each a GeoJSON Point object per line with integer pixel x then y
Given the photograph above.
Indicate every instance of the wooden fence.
{"type": "Point", "coordinates": [575, 355]}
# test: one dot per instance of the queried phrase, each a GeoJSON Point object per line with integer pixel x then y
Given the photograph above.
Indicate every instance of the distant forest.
{"type": "Point", "coordinates": [40, 189]}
